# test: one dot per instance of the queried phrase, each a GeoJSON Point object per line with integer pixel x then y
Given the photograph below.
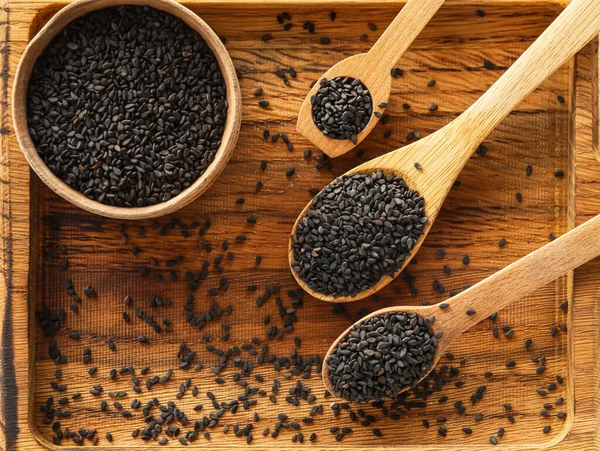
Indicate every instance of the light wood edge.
{"type": "Point", "coordinates": [584, 299]}
{"type": "Point", "coordinates": [596, 105]}
{"type": "Point", "coordinates": [584, 433]}
{"type": "Point", "coordinates": [556, 4]}
{"type": "Point", "coordinates": [420, 310]}
{"type": "Point", "coordinates": [19, 105]}
{"type": "Point", "coordinates": [8, 386]}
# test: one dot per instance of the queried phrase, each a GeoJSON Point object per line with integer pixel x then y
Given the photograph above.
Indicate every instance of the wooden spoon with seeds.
{"type": "Point", "coordinates": [431, 165]}
{"type": "Point", "coordinates": [373, 69]}
{"type": "Point", "coordinates": [496, 292]}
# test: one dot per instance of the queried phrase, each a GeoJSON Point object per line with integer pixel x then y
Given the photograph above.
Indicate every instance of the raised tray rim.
{"type": "Point", "coordinates": [15, 223]}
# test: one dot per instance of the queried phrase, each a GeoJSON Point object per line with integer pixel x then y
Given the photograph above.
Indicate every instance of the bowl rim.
{"type": "Point", "coordinates": [37, 46]}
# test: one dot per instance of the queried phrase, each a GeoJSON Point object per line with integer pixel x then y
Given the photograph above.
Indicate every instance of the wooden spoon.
{"type": "Point", "coordinates": [373, 69]}
{"type": "Point", "coordinates": [443, 154]}
{"type": "Point", "coordinates": [496, 292]}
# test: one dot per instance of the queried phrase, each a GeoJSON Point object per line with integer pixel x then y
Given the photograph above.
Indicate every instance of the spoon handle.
{"type": "Point", "coordinates": [522, 277]}
{"type": "Point", "coordinates": [400, 34]}
{"type": "Point", "coordinates": [570, 31]}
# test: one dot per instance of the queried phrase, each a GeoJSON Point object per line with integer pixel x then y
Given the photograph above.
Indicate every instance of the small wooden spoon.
{"type": "Point", "coordinates": [496, 292]}
{"type": "Point", "coordinates": [373, 69]}
{"type": "Point", "coordinates": [443, 154]}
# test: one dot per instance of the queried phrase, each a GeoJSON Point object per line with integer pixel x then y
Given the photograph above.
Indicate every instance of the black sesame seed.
{"type": "Point", "coordinates": [342, 107]}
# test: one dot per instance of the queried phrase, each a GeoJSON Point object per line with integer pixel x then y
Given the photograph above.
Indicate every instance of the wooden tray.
{"type": "Point", "coordinates": [542, 132]}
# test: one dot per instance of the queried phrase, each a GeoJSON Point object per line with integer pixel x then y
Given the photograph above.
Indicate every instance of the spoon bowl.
{"type": "Point", "coordinates": [377, 82]}
{"type": "Point", "coordinates": [496, 292]}
{"type": "Point", "coordinates": [431, 165]}
{"type": "Point", "coordinates": [423, 311]}
{"type": "Point", "coordinates": [433, 183]}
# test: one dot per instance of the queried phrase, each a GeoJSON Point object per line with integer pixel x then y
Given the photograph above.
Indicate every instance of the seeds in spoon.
{"type": "Point", "coordinates": [358, 229]}
{"type": "Point", "coordinates": [342, 107]}
{"type": "Point", "coordinates": [382, 356]}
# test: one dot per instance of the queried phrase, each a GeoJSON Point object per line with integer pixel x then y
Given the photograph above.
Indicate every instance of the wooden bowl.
{"type": "Point", "coordinates": [19, 109]}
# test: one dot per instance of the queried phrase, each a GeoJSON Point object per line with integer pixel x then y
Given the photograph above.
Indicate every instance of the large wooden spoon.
{"type": "Point", "coordinates": [517, 280]}
{"type": "Point", "coordinates": [443, 154]}
{"type": "Point", "coordinates": [373, 69]}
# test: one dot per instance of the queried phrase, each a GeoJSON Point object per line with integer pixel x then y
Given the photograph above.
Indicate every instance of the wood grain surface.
{"type": "Point", "coordinates": [541, 132]}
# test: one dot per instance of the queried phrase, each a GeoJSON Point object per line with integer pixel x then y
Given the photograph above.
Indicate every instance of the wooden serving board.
{"type": "Point", "coordinates": [542, 132]}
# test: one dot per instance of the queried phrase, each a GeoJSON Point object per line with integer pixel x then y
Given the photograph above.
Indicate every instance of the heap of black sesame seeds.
{"type": "Point", "coordinates": [342, 107]}
{"type": "Point", "coordinates": [358, 229]}
{"type": "Point", "coordinates": [382, 356]}
{"type": "Point", "coordinates": [127, 105]}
